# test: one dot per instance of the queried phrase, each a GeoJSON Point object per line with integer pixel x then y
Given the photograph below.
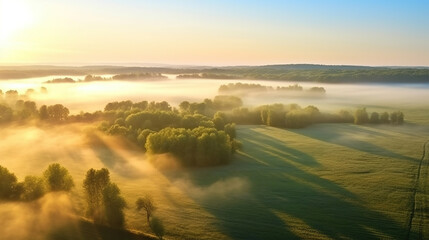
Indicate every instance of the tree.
{"type": "Point", "coordinates": [114, 205]}
{"type": "Point", "coordinates": [230, 130]}
{"type": "Point", "coordinates": [384, 117]}
{"type": "Point", "coordinates": [184, 106]}
{"type": "Point", "coordinates": [58, 178]}
{"type": "Point", "coordinates": [157, 227]}
{"type": "Point", "coordinates": [397, 117]}
{"type": "Point", "coordinates": [375, 118]}
{"type": "Point", "coordinates": [361, 116]}
{"type": "Point", "coordinates": [105, 204]}
{"type": "Point", "coordinates": [400, 118]}
{"type": "Point", "coordinates": [43, 112]}
{"type": "Point", "coordinates": [394, 117]}
{"type": "Point", "coordinates": [6, 113]}
{"type": "Point", "coordinates": [147, 204]}
{"type": "Point", "coordinates": [94, 184]}
{"type": "Point", "coordinates": [58, 112]}
{"type": "Point", "coordinates": [33, 188]}
{"type": "Point", "coordinates": [9, 188]}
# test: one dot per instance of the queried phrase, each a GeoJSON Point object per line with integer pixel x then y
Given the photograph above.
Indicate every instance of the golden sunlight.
{"type": "Point", "coordinates": [15, 15]}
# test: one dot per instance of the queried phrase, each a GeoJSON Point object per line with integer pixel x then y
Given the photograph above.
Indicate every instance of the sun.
{"type": "Point", "coordinates": [15, 15]}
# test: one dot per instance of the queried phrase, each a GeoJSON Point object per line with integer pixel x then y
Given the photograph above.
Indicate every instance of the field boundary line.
{"type": "Point", "coordinates": [416, 186]}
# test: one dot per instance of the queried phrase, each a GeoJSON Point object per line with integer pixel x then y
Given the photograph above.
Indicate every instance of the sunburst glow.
{"type": "Point", "coordinates": [15, 15]}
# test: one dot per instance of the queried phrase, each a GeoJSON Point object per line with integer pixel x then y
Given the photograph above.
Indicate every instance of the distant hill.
{"type": "Point", "coordinates": [286, 72]}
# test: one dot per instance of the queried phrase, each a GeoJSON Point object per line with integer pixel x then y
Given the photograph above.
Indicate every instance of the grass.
{"type": "Point", "coordinates": [328, 181]}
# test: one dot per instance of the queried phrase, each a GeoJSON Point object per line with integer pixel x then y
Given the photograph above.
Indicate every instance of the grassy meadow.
{"type": "Point", "coordinates": [327, 181]}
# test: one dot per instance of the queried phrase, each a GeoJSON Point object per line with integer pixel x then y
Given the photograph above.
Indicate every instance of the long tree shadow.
{"type": "Point", "coordinates": [345, 135]}
{"type": "Point", "coordinates": [110, 158]}
{"type": "Point", "coordinates": [281, 193]}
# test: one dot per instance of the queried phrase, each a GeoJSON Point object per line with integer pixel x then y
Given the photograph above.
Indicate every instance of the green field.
{"type": "Point", "coordinates": [324, 182]}
{"type": "Point", "coordinates": [327, 181]}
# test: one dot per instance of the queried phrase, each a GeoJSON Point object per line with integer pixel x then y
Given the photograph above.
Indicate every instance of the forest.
{"type": "Point", "coordinates": [287, 72]}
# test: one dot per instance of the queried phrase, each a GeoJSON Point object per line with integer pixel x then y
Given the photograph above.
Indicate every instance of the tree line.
{"type": "Point", "coordinates": [244, 88]}
{"type": "Point", "coordinates": [294, 116]}
{"type": "Point", "coordinates": [104, 203]}
{"type": "Point", "coordinates": [124, 76]}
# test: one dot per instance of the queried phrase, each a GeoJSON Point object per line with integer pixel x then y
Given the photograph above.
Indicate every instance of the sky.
{"type": "Point", "coordinates": [214, 32]}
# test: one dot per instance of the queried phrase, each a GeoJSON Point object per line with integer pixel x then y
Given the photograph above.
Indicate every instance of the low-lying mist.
{"type": "Point", "coordinates": [38, 219]}
{"type": "Point", "coordinates": [221, 190]}
{"type": "Point", "coordinates": [92, 96]}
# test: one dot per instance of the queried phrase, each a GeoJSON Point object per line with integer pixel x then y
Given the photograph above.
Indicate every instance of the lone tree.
{"type": "Point", "coordinates": [147, 204]}
{"type": "Point", "coordinates": [58, 178]}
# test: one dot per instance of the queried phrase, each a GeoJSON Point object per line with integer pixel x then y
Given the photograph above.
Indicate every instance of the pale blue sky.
{"type": "Point", "coordinates": [222, 32]}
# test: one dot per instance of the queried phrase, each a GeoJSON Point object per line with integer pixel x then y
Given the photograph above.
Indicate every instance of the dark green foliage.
{"type": "Point", "coordinates": [33, 188]}
{"type": "Point", "coordinates": [374, 118]}
{"type": "Point", "coordinates": [58, 178]}
{"type": "Point", "coordinates": [114, 205]}
{"type": "Point", "coordinates": [297, 119]}
{"type": "Point", "coordinates": [197, 147]}
{"type": "Point", "coordinates": [384, 117]}
{"type": "Point", "coordinates": [288, 72]}
{"type": "Point", "coordinates": [105, 204]}
{"type": "Point", "coordinates": [152, 120]}
{"type": "Point", "coordinates": [142, 137]}
{"type": "Point", "coordinates": [230, 130]}
{"type": "Point", "coordinates": [219, 120]}
{"type": "Point", "coordinates": [94, 183]}
{"type": "Point", "coordinates": [9, 187]}
{"type": "Point", "coordinates": [117, 129]}
{"type": "Point", "coordinates": [195, 120]}
{"type": "Point", "coordinates": [397, 117]}
{"type": "Point", "coordinates": [316, 73]}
